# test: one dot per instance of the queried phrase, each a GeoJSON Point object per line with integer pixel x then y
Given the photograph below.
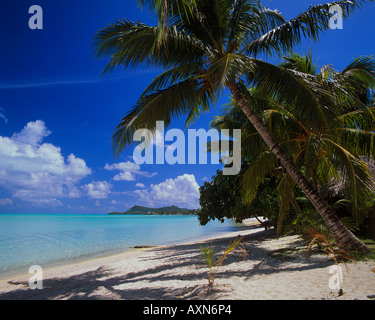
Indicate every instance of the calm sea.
{"type": "Point", "coordinates": [48, 239]}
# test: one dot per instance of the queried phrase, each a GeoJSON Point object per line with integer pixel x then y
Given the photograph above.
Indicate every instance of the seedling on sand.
{"type": "Point", "coordinates": [324, 244]}
{"type": "Point", "coordinates": [213, 263]}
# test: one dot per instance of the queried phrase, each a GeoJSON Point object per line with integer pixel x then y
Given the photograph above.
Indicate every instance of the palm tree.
{"type": "Point", "coordinates": [213, 46]}
{"type": "Point", "coordinates": [332, 153]}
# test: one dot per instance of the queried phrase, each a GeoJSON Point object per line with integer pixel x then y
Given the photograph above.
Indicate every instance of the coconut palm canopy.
{"type": "Point", "coordinates": [205, 47]}
{"type": "Point", "coordinates": [333, 158]}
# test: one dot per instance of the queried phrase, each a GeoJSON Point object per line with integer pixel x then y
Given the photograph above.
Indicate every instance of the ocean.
{"type": "Point", "coordinates": [51, 239]}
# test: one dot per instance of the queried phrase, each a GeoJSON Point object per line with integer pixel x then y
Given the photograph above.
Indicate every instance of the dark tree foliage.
{"type": "Point", "coordinates": [221, 199]}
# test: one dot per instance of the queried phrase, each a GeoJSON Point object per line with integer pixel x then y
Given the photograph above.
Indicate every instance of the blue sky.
{"type": "Point", "coordinates": [57, 115]}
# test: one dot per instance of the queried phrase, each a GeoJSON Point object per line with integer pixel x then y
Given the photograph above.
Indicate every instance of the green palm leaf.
{"type": "Point", "coordinates": [286, 193]}
{"type": "Point", "coordinates": [163, 105]}
{"type": "Point", "coordinates": [309, 24]}
{"type": "Point", "coordinates": [355, 176]}
{"type": "Point", "coordinates": [261, 167]}
{"type": "Point", "coordinates": [133, 44]}
{"type": "Point", "coordinates": [303, 94]}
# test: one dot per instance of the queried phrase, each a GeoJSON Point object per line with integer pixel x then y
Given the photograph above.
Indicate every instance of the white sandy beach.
{"type": "Point", "coordinates": [274, 269]}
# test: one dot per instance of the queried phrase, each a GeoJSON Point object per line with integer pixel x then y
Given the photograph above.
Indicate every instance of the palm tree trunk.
{"type": "Point", "coordinates": [343, 236]}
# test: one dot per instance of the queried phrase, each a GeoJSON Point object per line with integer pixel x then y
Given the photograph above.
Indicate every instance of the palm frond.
{"type": "Point", "coordinates": [249, 21]}
{"type": "Point", "coordinates": [309, 24]}
{"type": "Point", "coordinates": [264, 165]}
{"type": "Point", "coordinates": [313, 152]}
{"type": "Point", "coordinates": [354, 175]}
{"type": "Point", "coordinates": [358, 142]}
{"type": "Point", "coordinates": [165, 10]}
{"type": "Point", "coordinates": [305, 96]}
{"type": "Point", "coordinates": [206, 20]}
{"type": "Point", "coordinates": [172, 76]}
{"type": "Point", "coordinates": [361, 69]}
{"type": "Point", "coordinates": [295, 61]}
{"type": "Point", "coordinates": [358, 78]}
{"type": "Point", "coordinates": [286, 192]}
{"type": "Point", "coordinates": [326, 170]}
{"type": "Point", "coordinates": [237, 28]}
{"type": "Point", "coordinates": [163, 105]}
{"type": "Point", "coordinates": [363, 118]}
{"type": "Point", "coordinates": [282, 125]}
{"type": "Point", "coordinates": [133, 44]}
{"type": "Point", "coordinates": [228, 68]}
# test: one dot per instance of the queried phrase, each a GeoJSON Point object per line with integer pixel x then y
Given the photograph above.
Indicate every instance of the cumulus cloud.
{"type": "Point", "coordinates": [128, 171]}
{"type": "Point", "coordinates": [37, 172]}
{"type": "Point", "coordinates": [98, 189]}
{"type": "Point", "coordinates": [182, 191]}
{"type": "Point", "coordinates": [32, 134]}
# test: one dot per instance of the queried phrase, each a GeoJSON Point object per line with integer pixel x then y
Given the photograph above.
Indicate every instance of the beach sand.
{"type": "Point", "coordinates": [274, 269]}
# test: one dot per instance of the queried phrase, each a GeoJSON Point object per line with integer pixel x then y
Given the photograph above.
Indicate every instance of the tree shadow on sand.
{"type": "Point", "coordinates": [104, 283]}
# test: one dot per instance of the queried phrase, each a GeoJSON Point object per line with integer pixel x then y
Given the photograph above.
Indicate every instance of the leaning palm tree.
{"type": "Point", "coordinates": [333, 153]}
{"type": "Point", "coordinates": [214, 46]}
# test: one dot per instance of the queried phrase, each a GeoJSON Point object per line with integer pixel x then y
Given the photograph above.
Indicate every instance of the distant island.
{"type": "Point", "coordinates": [172, 210]}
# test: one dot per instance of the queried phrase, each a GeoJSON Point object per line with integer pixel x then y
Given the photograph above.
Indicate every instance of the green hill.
{"type": "Point", "coordinates": [172, 210]}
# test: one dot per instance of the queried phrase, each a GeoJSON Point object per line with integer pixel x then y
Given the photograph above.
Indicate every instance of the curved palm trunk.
{"type": "Point", "coordinates": [343, 236]}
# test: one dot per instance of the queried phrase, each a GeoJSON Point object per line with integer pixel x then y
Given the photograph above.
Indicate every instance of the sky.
{"type": "Point", "coordinates": [57, 115]}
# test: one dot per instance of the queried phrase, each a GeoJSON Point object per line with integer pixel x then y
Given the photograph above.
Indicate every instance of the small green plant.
{"type": "Point", "coordinates": [213, 262]}
{"type": "Point", "coordinates": [325, 244]}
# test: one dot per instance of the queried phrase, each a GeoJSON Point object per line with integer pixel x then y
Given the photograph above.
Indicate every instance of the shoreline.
{"type": "Point", "coordinates": [131, 250]}
{"type": "Point", "coordinates": [23, 270]}
{"type": "Point", "coordinates": [274, 269]}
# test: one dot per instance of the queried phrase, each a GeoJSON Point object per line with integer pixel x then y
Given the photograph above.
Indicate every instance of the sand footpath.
{"type": "Point", "coordinates": [274, 269]}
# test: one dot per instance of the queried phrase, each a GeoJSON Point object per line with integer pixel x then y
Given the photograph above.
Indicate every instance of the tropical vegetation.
{"type": "Point", "coordinates": [207, 46]}
{"type": "Point", "coordinates": [334, 156]}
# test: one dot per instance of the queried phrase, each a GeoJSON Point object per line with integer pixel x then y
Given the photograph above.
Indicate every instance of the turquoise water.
{"type": "Point", "coordinates": [44, 240]}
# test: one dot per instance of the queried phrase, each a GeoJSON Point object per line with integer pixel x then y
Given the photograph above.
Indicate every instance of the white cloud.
{"type": "Point", "coordinates": [182, 191]}
{"type": "Point", "coordinates": [140, 185]}
{"type": "Point", "coordinates": [128, 171]}
{"type": "Point", "coordinates": [98, 189]}
{"type": "Point", "coordinates": [32, 134]}
{"type": "Point", "coordinates": [37, 172]}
